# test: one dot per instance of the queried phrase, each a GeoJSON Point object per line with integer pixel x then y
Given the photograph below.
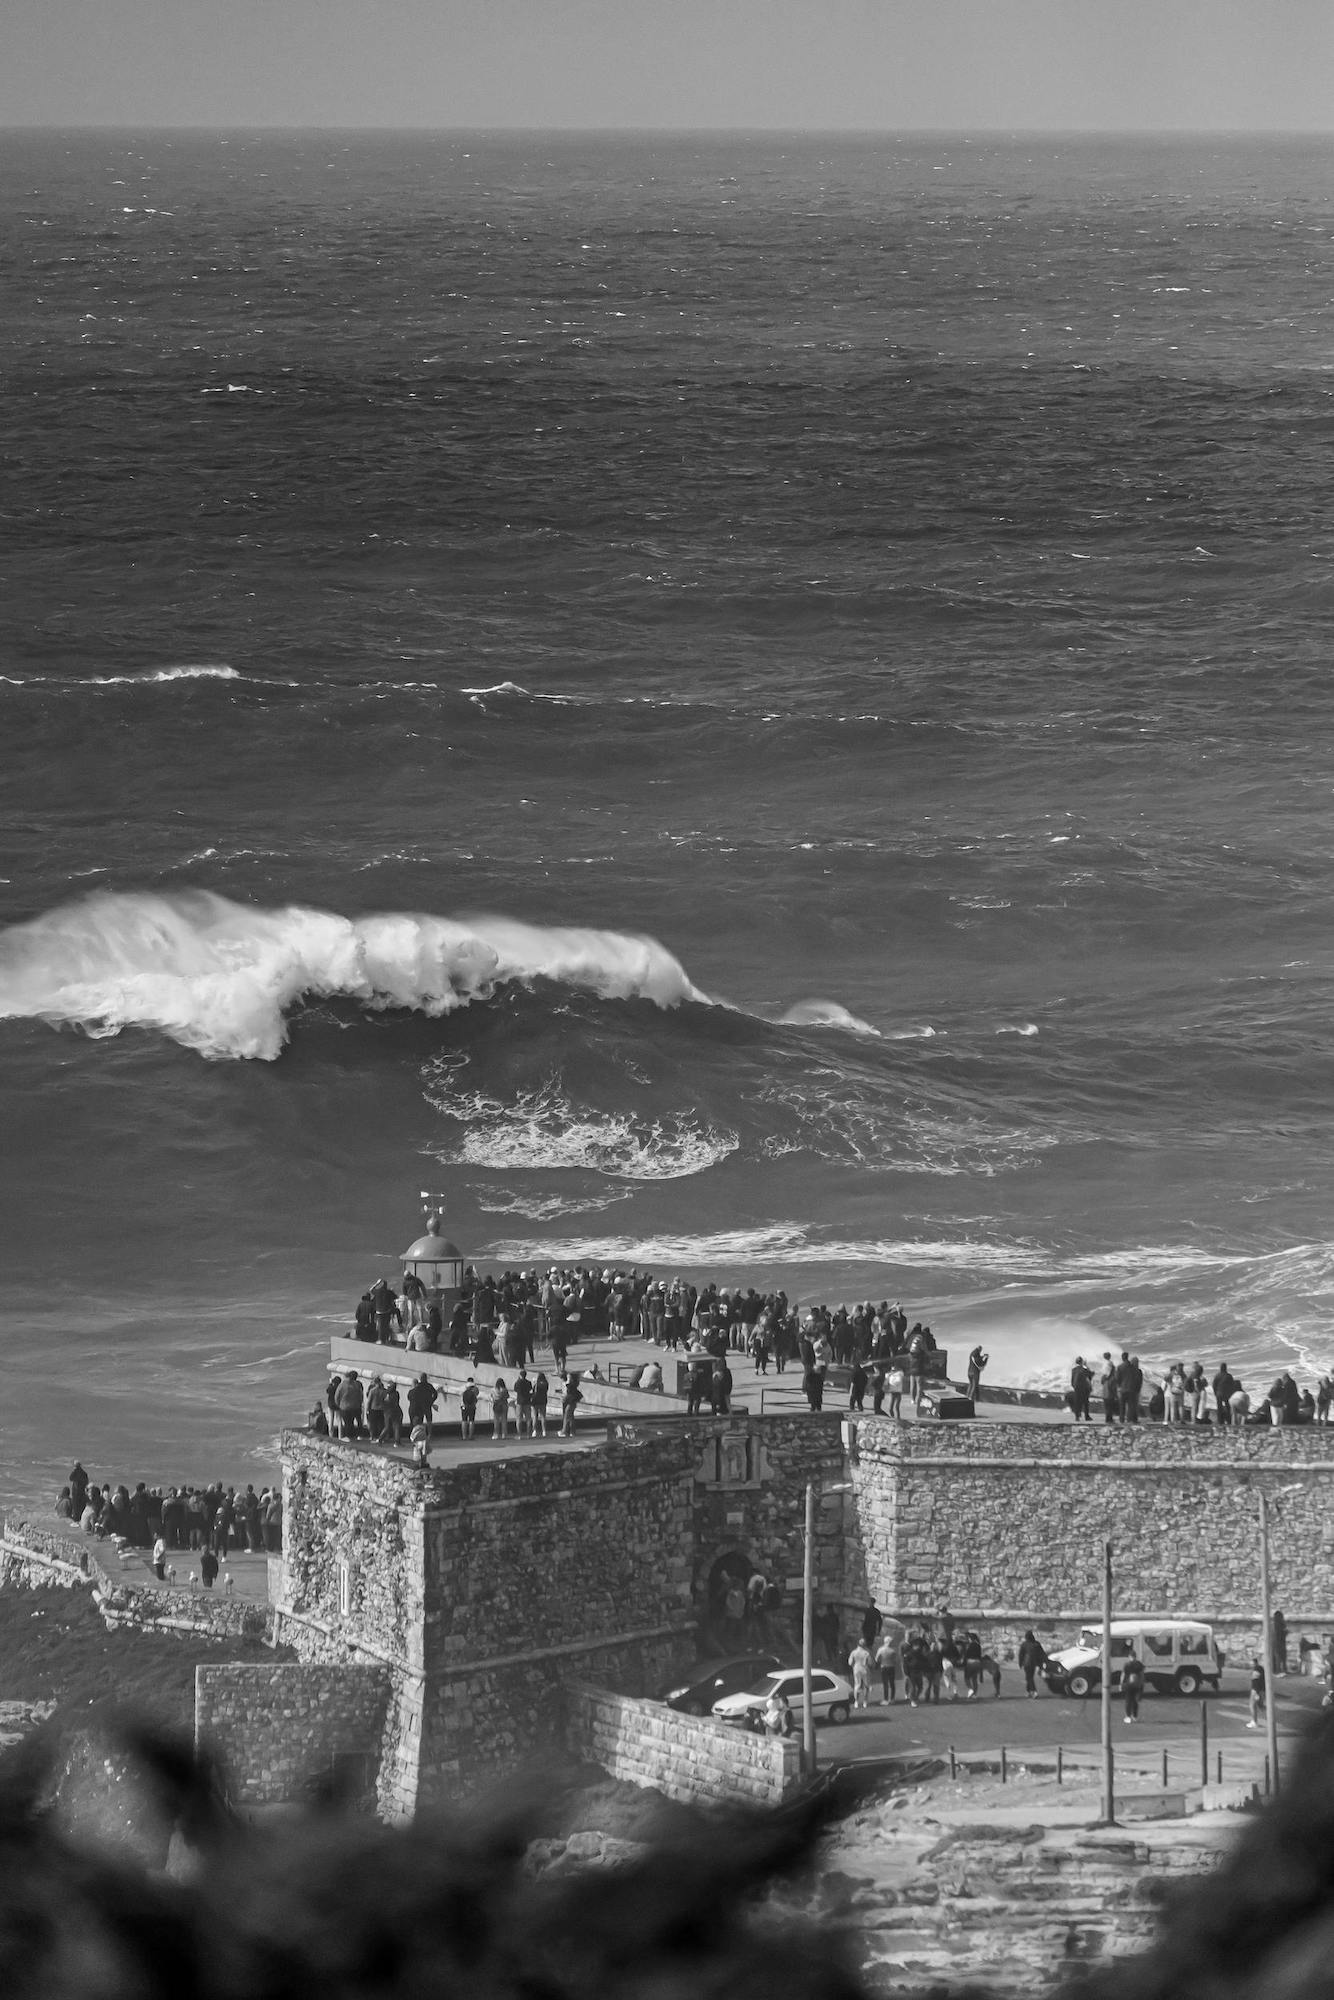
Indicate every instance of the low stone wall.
{"type": "Point", "coordinates": [281, 1729]}
{"type": "Point", "coordinates": [398, 1364]}
{"type": "Point", "coordinates": [688, 1758]}
{"type": "Point", "coordinates": [38, 1558]}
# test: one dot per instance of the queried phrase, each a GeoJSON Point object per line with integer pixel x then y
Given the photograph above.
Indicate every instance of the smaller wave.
{"type": "Point", "coordinates": [155, 677]}
{"type": "Point", "coordinates": [160, 675]}
{"type": "Point", "coordinates": [826, 1014]}
{"type": "Point", "coordinates": [1028, 1028]}
{"type": "Point", "coordinates": [511, 690]}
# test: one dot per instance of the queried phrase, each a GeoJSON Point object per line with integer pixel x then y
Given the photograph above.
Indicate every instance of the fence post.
{"type": "Point", "coordinates": [1164, 1767]}
{"type": "Point", "coordinates": [1060, 1763]}
{"type": "Point", "coordinates": [1005, 1769]}
{"type": "Point", "coordinates": [954, 1768]}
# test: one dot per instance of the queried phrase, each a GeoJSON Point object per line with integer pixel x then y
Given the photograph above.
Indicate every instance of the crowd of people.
{"type": "Point", "coordinates": [210, 1522]}
{"type": "Point", "coordinates": [934, 1656]}
{"type": "Point", "coordinates": [501, 1320]}
{"type": "Point", "coordinates": [1182, 1394]}
{"type": "Point", "coordinates": [373, 1409]}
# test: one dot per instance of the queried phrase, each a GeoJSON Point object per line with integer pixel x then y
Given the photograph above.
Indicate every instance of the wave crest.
{"type": "Point", "coordinates": [218, 976]}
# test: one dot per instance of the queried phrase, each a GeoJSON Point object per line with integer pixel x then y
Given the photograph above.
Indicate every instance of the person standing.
{"type": "Point", "coordinates": [541, 1391]}
{"type": "Point", "coordinates": [569, 1403]}
{"type": "Point", "coordinates": [887, 1660]}
{"type": "Point", "coordinates": [916, 1366]}
{"type": "Point", "coordinates": [1107, 1388]}
{"type": "Point", "coordinates": [857, 1386]}
{"type": "Point", "coordinates": [500, 1409]}
{"type": "Point", "coordinates": [1081, 1388]}
{"type": "Point", "coordinates": [977, 1361]}
{"type": "Point", "coordinates": [972, 1665]}
{"type": "Point", "coordinates": [1280, 1629]}
{"type": "Point", "coordinates": [1032, 1659]}
{"type": "Point", "coordinates": [208, 1568]}
{"type": "Point", "coordinates": [469, 1397]}
{"type": "Point", "coordinates": [523, 1403]}
{"type": "Point", "coordinates": [1257, 1694]}
{"type": "Point", "coordinates": [859, 1659]}
{"type": "Point", "coordinates": [1132, 1686]}
{"type": "Point", "coordinates": [1223, 1385]}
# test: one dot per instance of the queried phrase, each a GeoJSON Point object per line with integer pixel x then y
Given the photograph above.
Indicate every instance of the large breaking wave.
{"type": "Point", "coordinates": [219, 977]}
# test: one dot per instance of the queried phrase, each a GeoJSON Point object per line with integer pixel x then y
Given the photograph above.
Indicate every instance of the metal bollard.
{"type": "Point", "coordinates": [1060, 1764]}
{"type": "Point", "coordinates": [1164, 1768]}
{"type": "Point", "coordinates": [1005, 1774]}
{"type": "Point", "coordinates": [954, 1766]}
{"type": "Point", "coordinates": [1220, 1767]}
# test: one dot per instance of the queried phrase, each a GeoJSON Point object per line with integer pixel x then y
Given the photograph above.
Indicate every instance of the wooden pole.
{"type": "Point", "coordinates": [1267, 1643]}
{"type": "Point", "coordinates": [1108, 1776]}
{"type": "Point", "coordinates": [808, 1637]}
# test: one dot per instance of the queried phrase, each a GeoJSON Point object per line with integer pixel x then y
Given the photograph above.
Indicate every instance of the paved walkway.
{"type": "Point", "coordinates": [1032, 1731]}
{"type": "Point", "coordinates": [769, 1394]}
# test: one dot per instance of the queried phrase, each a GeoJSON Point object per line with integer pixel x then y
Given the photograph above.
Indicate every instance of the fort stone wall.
{"type": "Point", "coordinates": [480, 1587]}
{"type": "Point", "coordinates": [283, 1729]}
{"type": "Point", "coordinates": [691, 1759]}
{"type": "Point", "coordinates": [1006, 1523]}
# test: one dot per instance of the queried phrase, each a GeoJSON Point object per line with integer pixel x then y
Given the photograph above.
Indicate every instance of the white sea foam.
{"type": "Point", "coordinates": [155, 677]}
{"type": "Point", "coordinates": [790, 1243]}
{"type": "Point", "coordinates": [546, 1208]}
{"type": "Point", "coordinates": [826, 1014]}
{"type": "Point", "coordinates": [542, 1130]}
{"type": "Point", "coordinates": [218, 976]}
{"type": "Point", "coordinates": [161, 674]}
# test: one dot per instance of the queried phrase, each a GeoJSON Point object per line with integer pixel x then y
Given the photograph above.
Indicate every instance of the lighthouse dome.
{"type": "Point", "coordinates": [432, 1249]}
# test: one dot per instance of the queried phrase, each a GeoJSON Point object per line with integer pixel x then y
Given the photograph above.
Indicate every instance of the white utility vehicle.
{"type": "Point", "coordinates": [1178, 1656]}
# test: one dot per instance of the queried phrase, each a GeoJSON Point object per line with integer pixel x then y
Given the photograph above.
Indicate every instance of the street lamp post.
{"type": "Point", "coordinates": [1108, 1755]}
{"type": "Point", "coordinates": [1267, 1644]}
{"type": "Point", "coordinates": [808, 1763]}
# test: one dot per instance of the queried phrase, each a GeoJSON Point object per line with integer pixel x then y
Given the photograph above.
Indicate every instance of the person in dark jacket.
{"type": "Point", "coordinates": [1032, 1659]}
{"type": "Point", "coordinates": [1081, 1389]}
{"type": "Point", "coordinates": [1129, 1384]}
{"type": "Point", "coordinates": [1132, 1687]}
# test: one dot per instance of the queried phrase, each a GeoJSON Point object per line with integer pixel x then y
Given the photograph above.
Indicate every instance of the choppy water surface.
{"type": "Point", "coordinates": [755, 707]}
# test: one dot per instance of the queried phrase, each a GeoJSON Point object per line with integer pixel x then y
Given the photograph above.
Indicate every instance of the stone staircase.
{"type": "Point", "coordinates": [1011, 1909]}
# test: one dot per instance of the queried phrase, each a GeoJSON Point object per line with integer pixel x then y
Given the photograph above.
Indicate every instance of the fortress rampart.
{"type": "Point", "coordinates": [474, 1597]}
{"type": "Point", "coordinates": [1005, 1522]}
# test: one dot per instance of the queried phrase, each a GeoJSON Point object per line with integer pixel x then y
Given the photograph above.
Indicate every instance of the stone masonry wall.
{"type": "Point", "coordinates": [481, 1587]}
{"type": "Point", "coordinates": [763, 1517]}
{"type": "Point", "coordinates": [1005, 1523]}
{"type": "Point", "coordinates": [690, 1759]}
{"type": "Point", "coordinates": [278, 1728]}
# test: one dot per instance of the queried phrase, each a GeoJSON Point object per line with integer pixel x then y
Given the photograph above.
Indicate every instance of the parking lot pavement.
{"type": "Point", "coordinates": [1033, 1729]}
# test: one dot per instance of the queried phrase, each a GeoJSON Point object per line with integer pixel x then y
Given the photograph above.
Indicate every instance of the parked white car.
{"type": "Point", "coordinates": [831, 1698]}
{"type": "Point", "coordinates": [1178, 1656]}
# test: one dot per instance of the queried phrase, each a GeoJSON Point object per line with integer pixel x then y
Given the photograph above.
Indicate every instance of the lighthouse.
{"type": "Point", "coordinates": [438, 1263]}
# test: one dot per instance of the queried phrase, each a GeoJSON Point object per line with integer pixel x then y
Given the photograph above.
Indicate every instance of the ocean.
{"type": "Point", "coordinates": [756, 706]}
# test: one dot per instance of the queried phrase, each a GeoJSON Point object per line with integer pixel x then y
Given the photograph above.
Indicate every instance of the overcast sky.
{"type": "Point", "coordinates": [1007, 64]}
